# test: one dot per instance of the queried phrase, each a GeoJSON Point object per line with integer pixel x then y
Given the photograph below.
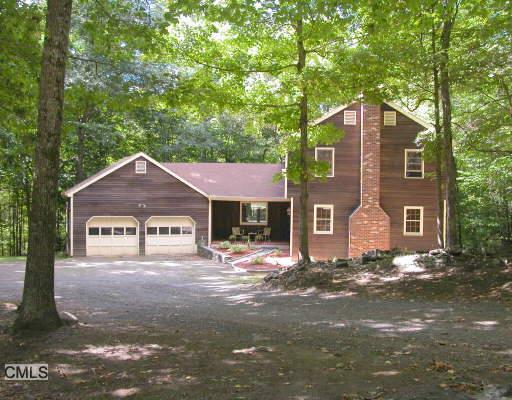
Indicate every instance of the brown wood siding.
{"type": "Point", "coordinates": [342, 191]}
{"type": "Point", "coordinates": [226, 214]}
{"type": "Point", "coordinates": [121, 192]}
{"type": "Point", "coordinates": [397, 191]}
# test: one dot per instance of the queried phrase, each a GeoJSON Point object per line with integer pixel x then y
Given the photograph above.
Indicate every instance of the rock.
{"type": "Point", "coordinates": [373, 255]}
{"type": "Point", "coordinates": [437, 252]}
{"type": "Point", "coordinates": [269, 277]}
{"type": "Point", "coordinates": [341, 263]}
{"type": "Point", "coordinates": [68, 318]}
{"type": "Point", "coordinates": [495, 392]}
{"type": "Point", "coordinates": [454, 251]}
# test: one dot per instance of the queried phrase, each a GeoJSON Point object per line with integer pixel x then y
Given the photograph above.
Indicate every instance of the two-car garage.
{"type": "Point", "coordinates": [119, 236]}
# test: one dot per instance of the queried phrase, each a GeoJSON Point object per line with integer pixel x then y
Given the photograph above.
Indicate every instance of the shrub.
{"type": "Point", "coordinates": [277, 253]}
{"type": "Point", "coordinates": [258, 238]}
{"type": "Point", "coordinates": [238, 248]}
{"type": "Point", "coordinates": [224, 245]}
{"type": "Point", "coordinates": [258, 260]}
{"type": "Point", "coordinates": [232, 238]}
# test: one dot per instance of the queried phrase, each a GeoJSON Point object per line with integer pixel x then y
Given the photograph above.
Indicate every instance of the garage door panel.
{"type": "Point", "coordinates": [112, 236]}
{"type": "Point", "coordinates": [170, 235]}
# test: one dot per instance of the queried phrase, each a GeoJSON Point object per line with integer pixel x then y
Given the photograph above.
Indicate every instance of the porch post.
{"type": "Point", "coordinates": [209, 222]}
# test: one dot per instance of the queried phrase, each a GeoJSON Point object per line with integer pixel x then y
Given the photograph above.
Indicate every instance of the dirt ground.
{"type": "Point", "coordinates": [188, 328]}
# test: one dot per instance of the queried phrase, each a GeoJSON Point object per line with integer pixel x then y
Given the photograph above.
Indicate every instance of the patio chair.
{"type": "Point", "coordinates": [266, 234]}
{"type": "Point", "coordinates": [235, 231]}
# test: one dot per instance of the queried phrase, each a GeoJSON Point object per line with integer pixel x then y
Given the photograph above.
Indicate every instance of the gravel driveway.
{"type": "Point", "coordinates": [190, 328]}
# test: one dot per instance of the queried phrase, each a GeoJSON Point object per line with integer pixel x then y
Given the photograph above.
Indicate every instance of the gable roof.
{"type": "Point", "coordinates": [233, 180]}
{"type": "Point", "coordinates": [423, 122]}
{"type": "Point", "coordinates": [118, 164]}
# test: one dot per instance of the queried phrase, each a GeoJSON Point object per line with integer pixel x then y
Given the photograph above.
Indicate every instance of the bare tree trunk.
{"type": "Point", "coordinates": [38, 310]}
{"type": "Point", "coordinates": [303, 127]}
{"type": "Point", "coordinates": [80, 148]}
{"type": "Point", "coordinates": [80, 154]}
{"type": "Point", "coordinates": [452, 237]}
{"type": "Point", "coordinates": [438, 144]}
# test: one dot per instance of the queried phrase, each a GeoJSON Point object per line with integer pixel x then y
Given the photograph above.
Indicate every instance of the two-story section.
{"type": "Point", "coordinates": [379, 193]}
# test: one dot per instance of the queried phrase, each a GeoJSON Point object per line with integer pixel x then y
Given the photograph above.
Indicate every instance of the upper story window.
{"type": "Point", "coordinates": [323, 219]}
{"type": "Point", "coordinates": [326, 154]}
{"type": "Point", "coordinates": [253, 213]}
{"type": "Point", "coordinates": [414, 166]}
{"type": "Point", "coordinates": [140, 167]}
{"type": "Point", "coordinates": [413, 221]}
{"type": "Point", "coordinates": [350, 117]}
{"type": "Point", "coordinates": [390, 118]}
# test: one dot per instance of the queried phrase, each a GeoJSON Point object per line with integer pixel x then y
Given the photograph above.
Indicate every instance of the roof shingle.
{"type": "Point", "coordinates": [232, 179]}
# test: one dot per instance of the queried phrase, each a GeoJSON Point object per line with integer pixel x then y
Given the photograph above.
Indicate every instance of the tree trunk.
{"type": "Point", "coordinates": [438, 144]}
{"type": "Point", "coordinates": [452, 237]}
{"type": "Point", "coordinates": [80, 154]}
{"type": "Point", "coordinates": [303, 163]}
{"type": "Point", "coordinates": [38, 310]}
{"type": "Point", "coordinates": [80, 147]}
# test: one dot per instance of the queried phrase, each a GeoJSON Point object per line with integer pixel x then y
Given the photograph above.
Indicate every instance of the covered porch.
{"type": "Point", "coordinates": [263, 222]}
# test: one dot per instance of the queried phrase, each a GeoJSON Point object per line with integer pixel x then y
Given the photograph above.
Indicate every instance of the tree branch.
{"type": "Point", "coordinates": [241, 71]}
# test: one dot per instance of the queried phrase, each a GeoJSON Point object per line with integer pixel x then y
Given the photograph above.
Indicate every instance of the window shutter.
{"type": "Point", "coordinates": [349, 117]}
{"type": "Point", "coordinates": [390, 118]}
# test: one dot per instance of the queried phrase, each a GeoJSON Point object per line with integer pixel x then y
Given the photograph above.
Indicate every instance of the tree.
{"type": "Point", "coordinates": [449, 14]}
{"type": "Point", "coordinates": [38, 310]}
{"type": "Point", "coordinates": [283, 60]}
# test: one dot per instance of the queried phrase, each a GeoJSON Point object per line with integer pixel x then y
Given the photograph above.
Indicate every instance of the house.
{"type": "Point", "coordinates": [378, 194]}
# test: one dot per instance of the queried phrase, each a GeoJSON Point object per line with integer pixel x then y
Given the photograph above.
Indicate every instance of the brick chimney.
{"type": "Point", "coordinates": [369, 225]}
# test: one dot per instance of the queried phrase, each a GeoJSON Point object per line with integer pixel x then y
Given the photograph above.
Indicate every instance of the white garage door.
{"type": "Point", "coordinates": [170, 235]}
{"type": "Point", "coordinates": [112, 236]}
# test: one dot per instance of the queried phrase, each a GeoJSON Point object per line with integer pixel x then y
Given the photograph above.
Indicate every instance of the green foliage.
{"type": "Point", "coordinates": [224, 245]}
{"type": "Point", "coordinates": [277, 253]}
{"type": "Point", "coordinates": [238, 248]}
{"type": "Point", "coordinates": [218, 82]}
{"type": "Point", "coordinates": [258, 260]}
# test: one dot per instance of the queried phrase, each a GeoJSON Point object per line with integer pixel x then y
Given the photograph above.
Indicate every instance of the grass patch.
{"type": "Point", "coordinates": [8, 259]}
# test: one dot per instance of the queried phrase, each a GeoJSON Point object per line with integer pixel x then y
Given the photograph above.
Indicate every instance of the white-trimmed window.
{"type": "Point", "coordinates": [413, 221]}
{"type": "Point", "coordinates": [349, 117]}
{"type": "Point", "coordinates": [390, 118]}
{"type": "Point", "coordinates": [140, 167]}
{"type": "Point", "coordinates": [253, 213]}
{"type": "Point", "coordinates": [323, 219]}
{"type": "Point", "coordinates": [413, 164]}
{"type": "Point", "coordinates": [326, 154]}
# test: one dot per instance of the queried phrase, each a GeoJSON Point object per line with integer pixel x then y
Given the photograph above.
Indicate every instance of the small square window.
{"type": "Point", "coordinates": [119, 231]}
{"type": "Point", "coordinates": [106, 231]}
{"type": "Point", "coordinates": [175, 230]}
{"type": "Point", "coordinates": [140, 167]}
{"type": "Point", "coordinates": [163, 230]}
{"type": "Point", "coordinates": [94, 231]}
{"type": "Point", "coordinates": [326, 154]}
{"type": "Point", "coordinates": [186, 230]}
{"type": "Point", "coordinates": [152, 230]}
{"type": "Point", "coordinates": [390, 118]}
{"type": "Point", "coordinates": [350, 117]}
{"type": "Point", "coordinates": [413, 221]}
{"type": "Point", "coordinates": [414, 166]}
{"type": "Point", "coordinates": [131, 231]}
